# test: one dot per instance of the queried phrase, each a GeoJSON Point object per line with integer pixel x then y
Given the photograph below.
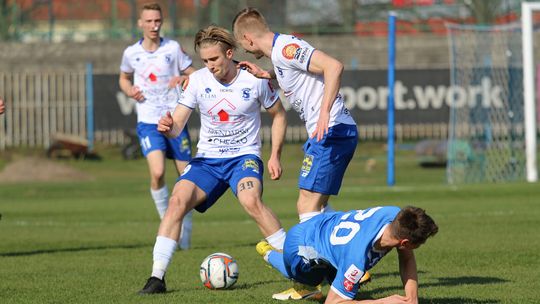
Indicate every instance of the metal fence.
{"type": "Point", "coordinates": [40, 105]}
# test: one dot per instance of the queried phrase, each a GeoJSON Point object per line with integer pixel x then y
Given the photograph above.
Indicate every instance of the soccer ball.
{"type": "Point", "coordinates": [219, 271]}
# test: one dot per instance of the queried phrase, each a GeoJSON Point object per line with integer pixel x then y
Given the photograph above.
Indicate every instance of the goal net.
{"type": "Point", "coordinates": [486, 140]}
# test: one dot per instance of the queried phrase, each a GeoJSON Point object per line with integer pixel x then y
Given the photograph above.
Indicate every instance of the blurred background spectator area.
{"type": "Point", "coordinates": [79, 21]}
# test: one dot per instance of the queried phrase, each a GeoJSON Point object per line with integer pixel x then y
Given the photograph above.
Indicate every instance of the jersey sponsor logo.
{"type": "Point", "coordinates": [218, 132]}
{"type": "Point", "coordinates": [207, 94]}
{"type": "Point", "coordinates": [306, 165]}
{"type": "Point", "coordinates": [223, 115]}
{"type": "Point", "coordinates": [353, 274]}
{"type": "Point", "coordinates": [228, 141]}
{"type": "Point", "coordinates": [152, 77]}
{"type": "Point", "coordinates": [301, 54]}
{"type": "Point", "coordinates": [289, 51]}
{"type": "Point", "coordinates": [348, 285]}
{"type": "Point", "coordinates": [229, 150]}
{"type": "Point", "coordinates": [246, 92]}
{"type": "Point", "coordinates": [251, 164]}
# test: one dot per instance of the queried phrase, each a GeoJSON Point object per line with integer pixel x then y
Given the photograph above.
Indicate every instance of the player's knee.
{"type": "Point", "coordinates": [253, 205]}
{"type": "Point", "coordinates": [177, 207]}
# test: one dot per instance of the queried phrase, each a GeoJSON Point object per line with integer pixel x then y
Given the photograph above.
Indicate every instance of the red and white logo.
{"type": "Point", "coordinates": [289, 51]}
{"type": "Point", "coordinates": [353, 274]}
{"type": "Point", "coordinates": [348, 285]}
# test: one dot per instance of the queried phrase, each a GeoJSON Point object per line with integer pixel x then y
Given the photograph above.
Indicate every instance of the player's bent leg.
{"type": "Point", "coordinates": [158, 188]}
{"type": "Point", "coordinates": [185, 197]}
{"type": "Point", "coordinates": [310, 204]}
{"type": "Point", "coordinates": [249, 192]}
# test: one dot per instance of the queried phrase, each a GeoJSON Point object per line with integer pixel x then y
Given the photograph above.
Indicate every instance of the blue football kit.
{"type": "Point", "coordinates": [338, 247]}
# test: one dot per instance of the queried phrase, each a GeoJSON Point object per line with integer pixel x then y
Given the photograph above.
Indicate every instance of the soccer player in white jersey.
{"type": "Point", "coordinates": [229, 102]}
{"type": "Point", "coordinates": [310, 80]}
{"type": "Point", "coordinates": [150, 71]}
{"type": "Point", "coordinates": [340, 247]}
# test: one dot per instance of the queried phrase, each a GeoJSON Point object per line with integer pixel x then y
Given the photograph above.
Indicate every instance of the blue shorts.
{"type": "Point", "coordinates": [325, 161]}
{"type": "Point", "coordinates": [215, 175]}
{"type": "Point", "coordinates": [302, 269]}
{"type": "Point", "coordinates": [178, 148]}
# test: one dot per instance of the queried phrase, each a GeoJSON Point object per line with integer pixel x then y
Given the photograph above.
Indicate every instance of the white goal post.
{"type": "Point", "coordinates": [527, 9]}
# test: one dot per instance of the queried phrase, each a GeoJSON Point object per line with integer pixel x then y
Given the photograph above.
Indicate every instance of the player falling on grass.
{"type": "Point", "coordinates": [340, 247]}
{"type": "Point", "coordinates": [150, 70]}
{"type": "Point", "coordinates": [310, 80]}
{"type": "Point", "coordinates": [229, 149]}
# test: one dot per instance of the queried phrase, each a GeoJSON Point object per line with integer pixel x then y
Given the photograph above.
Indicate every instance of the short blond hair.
{"type": "Point", "coordinates": [249, 19]}
{"type": "Point", "coordinates": [152, 7]}
{"type": "Point", "coordinates": [214, 35]}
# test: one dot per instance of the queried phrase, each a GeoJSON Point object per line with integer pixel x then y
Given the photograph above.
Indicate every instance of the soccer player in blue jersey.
{"type": "Point", "coordinates": [340, 247]}
{"type": "Point", "coordinates": [310, 80]}
{"type": "Point", "coordinates": [150, 71]}
{"type": "Point", "coordinates": [229, 101]}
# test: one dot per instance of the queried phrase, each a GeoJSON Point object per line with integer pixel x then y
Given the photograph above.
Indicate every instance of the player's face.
{"type": "Point", "coordinates": [216, 60]}
{"type": "Point", "coordinates": [150, 23]}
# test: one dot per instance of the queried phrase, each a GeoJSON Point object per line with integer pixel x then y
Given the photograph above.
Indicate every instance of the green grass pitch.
{"type": "Point", "coordinates": [92, 241]}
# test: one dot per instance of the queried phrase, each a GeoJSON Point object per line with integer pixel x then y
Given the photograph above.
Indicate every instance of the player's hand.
{"type": "Point", "coordinates": [254, 69]}
{"type": "Point", "coordinates": [396, 299]}
{"type": "Point", "coordinates": [136, 93]}
{"type": "Point", "coordinates": [2, 106]}
{"type": "Point", "coordinates": [177, 80]}
{"type": "Point", "coordinates": [165, 123]}
{"type": "Point", "coordinates": [322, 126]}
{"type": "Point", "coordinates": [274, 168]}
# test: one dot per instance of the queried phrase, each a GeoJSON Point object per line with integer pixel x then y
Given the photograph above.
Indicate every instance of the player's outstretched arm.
{"type": "Point", "coordinates": [172, 124]}
{"type": "Point", "coordinates": [279, 126]}
{"type": "Point", "coordinates": [256, 71]}
{"type": "Point", "coordinates": [409, 275]}
{"type": "Point", "coordinates": [334, 298]}
{"type": "Point", "coordinates": [331, 69]}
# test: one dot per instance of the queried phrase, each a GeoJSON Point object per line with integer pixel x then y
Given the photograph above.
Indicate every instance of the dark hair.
{"type": "Point", "coordinates": [414, 224]}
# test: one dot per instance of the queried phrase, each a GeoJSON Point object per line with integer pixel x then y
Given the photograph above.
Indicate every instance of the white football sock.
{"type": "Point", "coordinates": [161, 199]}
{"type": "Point", "coordinates": [163, 252]}
{"type": "Point", "coordinates": [277, 239]}
{"type": "Point", "coordinates": [184, 241]}
{"type": "Point", "coordinates": [306, 216]}
{"type": "Point", "coordinates": [327, 209]}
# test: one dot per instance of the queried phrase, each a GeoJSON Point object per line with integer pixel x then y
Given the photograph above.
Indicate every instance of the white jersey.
{"type": "Point", "coordinates": [152, 73]}
{"type": "Point", "coordinates": [230, 114]}
{"type": "Point", "coordinates": [304, 90]}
